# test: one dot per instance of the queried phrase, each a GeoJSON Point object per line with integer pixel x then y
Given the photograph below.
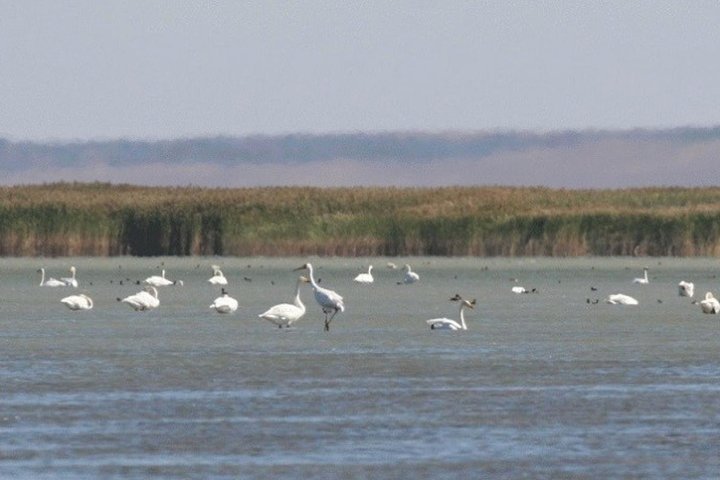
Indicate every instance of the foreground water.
{"type": "Point", "coordinates": [541, 385]}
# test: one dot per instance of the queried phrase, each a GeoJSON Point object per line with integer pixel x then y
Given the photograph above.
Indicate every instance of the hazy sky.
{"type": "Point", "coordinates": [162, 69]}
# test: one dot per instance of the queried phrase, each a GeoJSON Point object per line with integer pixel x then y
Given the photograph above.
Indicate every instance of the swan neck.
{"type": "Point", "coordinates": [462, 317]}
{"type": "Point", "coordinates": [298, 302]}
{"type": "Point", "coordinates": [42, 277]}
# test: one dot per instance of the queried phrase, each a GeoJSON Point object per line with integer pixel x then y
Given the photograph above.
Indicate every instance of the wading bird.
{"type": "Point", "coordinates": [329, 300]}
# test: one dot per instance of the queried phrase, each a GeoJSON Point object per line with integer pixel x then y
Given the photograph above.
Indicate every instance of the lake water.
{"type": "Point", "coordinates": [541, 385]}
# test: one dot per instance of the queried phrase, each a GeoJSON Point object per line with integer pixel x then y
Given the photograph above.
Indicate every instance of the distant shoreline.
{"type": "Point", "coordinates": [99, 219]}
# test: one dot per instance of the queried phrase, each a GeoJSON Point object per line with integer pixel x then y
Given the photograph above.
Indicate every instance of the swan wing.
{"type": "Point", "coordinates": [283, 313]}
{"type": "Point", "coordinates": [443, 324]}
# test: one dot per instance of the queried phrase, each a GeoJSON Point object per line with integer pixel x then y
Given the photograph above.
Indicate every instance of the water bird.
{"type": "Point", "coordinates": [410, 276]}
{"type": "Point", "coordinates": [448, 324]}
{"type": "Point", "coordinates": [71, 281]}
{"type": "Point", "coordinates": [644, 279]}
{"type": "Point", "coordinates": [285, 314]}
{"type": "Point", "coordinates": [218, 278]}
{"type": "Point", "coordinates": [224, 303]}
{"type": "Point", "coordinates": [621, 299]}
{"type": "Point", "coordinates": [329, 300]}
{"type": "Point", "coordinates": [710, 304]}
{"type": "Point", "coordinates": [158, 280]}
{"type": "Point", "coordinates": [686, 289]}
{"type": "Point", "coordinates": [50, 282]}
{"type": "Point", "coordinates": [365, 277]}
{"type": "Point", "coordinates": [147, 299]}
{"type": "Point", "coordinates": [78, 302]}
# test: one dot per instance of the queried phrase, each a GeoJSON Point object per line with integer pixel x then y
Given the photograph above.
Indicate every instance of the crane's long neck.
{"type": "Point", "coordinates": [312, 277]}
{"type": "Point", "coordinates": [462, 317]}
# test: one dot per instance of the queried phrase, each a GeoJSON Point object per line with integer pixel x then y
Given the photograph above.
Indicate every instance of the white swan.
{"type": "Point", "coordinates": [710, 304]}
{"type": "Point", "coordinates": [285, 314]}
{"type": "Point", "coordinates": [644, 279]}
{"type": "Point", "coordinates": [224, 303]}
{"type": "Point", "coordinates": [365, 277]}
{"type": "Point", "coordinates": [686, 289]}
{"type": "Point", "coordinates": [519, 289]}
{"type": "Point", "coordinates": [446, 323]}
{"type": "Point", "coordinates": [71, 281]}
{"type": "Point", "coordinates": [410, 276]}
{"type": "Point", "coordinates": [78, 302]}
{"type": "Point", "coordinates": [50, 282]}
{"type": "Point", "coordinates": [329, 300]}
{"type": "Point", "coordinates": [158, 280]}
{"type": "Point", "coordinates": [218, 278]}
{"type": "Point", "coordinates": [621, 299]}
{"type": "Point", "coordinates": [147, 299]}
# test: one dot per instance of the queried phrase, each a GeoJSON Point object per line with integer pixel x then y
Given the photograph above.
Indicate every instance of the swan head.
{"type": "Point", "coordinates": [306, 266]}
{"type": "Point", "coordinates": [73, 269]}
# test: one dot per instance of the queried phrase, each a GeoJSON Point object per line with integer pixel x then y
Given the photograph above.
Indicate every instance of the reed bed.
{"type": "Point", "coordinates": [99, 219]}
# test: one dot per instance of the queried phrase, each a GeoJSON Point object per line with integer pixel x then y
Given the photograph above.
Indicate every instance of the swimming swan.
{"type": "Point", "coordinates": [710, 304]}
{"type": "Point", "coordinates": [50, 282]}
{"type": "Point", "coordinates": [446, 323]}
{"type": "Point", "coordinates": [78, 302]}
{"type": "Point", "coordinates": [218, 278]}
{"type": "Point", "coordinates": [644, 279]}
{"type": "Point", "coordinates": [621, 299]}
{"type": "Point", "coordinates": [158, 280]}
{"type": "Point", "coordinates": [410, 276]}
{"type": "Point", "coordinates": [71, 281]}
{"type": "Point", "coordinates": [686, 289]}
{"type": "Point", "coordinates": [147, 299]}
{"type": "Point", "coordinates": [365, 277]}
{"type": "Point", "coordinates": [224, 303]}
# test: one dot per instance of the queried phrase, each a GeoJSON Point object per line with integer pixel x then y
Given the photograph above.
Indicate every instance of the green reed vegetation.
{"type": "Point", "coordinates": [102, 219]}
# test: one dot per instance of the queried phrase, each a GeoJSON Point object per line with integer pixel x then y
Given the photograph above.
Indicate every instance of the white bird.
{"type": "Point", "coordinates": [710, 304]}
{"type": "Point", "coordinates": [285, 314]}
{"type": "Point", "coordinates": [329, 300]}
{"type": "Point", "coordinates": [78, 302]}
{"type": "Point", "coordinates": [365, 277]}
{"type": "Point", "coordinates": [147, 299]}
{"type": "Point", "coordinates": [224, 303]}
{"type": "Point", "coordinates": [621, 299]}
{"type": "Point", "coordinates": [686, 289]}
{"type": "Point", "coordinates": [518, 289]}
{"type": "Point", "coordinates": [644, 279]}
{"type": "Point", "coordinates": [410, 276]}
{"type": "Point", "coordinates": [158, 280]}
{"type": "Point", "coordinates": [50, 282]}
{"type": "Point", "coordinates": [70, 281]}
{"type": "Point", "coordinates": [446, 323]}
{"type": "Point", "coordinates": [218, 278]}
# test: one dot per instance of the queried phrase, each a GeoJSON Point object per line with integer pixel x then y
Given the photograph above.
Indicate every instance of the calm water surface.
{"type": "Point", "coordinates": [540, 386]}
